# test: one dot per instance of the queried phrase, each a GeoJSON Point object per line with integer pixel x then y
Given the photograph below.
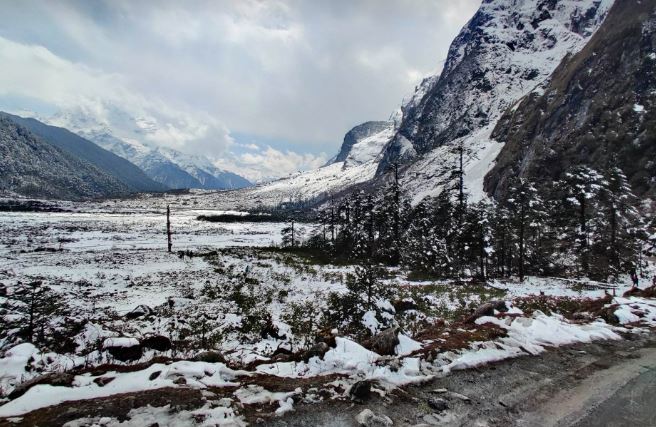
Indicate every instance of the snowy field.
{"type": "Point", "coordinates": [234, 292]}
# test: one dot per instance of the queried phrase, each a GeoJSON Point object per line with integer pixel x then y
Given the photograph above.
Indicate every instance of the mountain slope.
{"type": "Point", "coordinates": [505, 51]}
{"type": "Point", "coordinates": [355, 163]}
{"type": "Point", "coordinates": [164, 165]}
{"type": "Point", "coordinates": [31, 167]}
{"type": "Point", "coordinates": [124, 171]}
{"type": "Point", "coordinates": [598, 109]}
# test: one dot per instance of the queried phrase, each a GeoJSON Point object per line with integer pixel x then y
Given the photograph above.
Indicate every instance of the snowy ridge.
{"type": "Point", "coordinates": [165, 165]}
{"type": "Point", "coordinates": [507, 50]}
{"type": "Point", "coordinates": [356, 163]}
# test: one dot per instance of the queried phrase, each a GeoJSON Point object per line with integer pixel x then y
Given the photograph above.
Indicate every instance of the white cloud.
{"type": "Point", "coordinates": [271, 163]}
{"type": "Point", "coordinates": [298, 71]}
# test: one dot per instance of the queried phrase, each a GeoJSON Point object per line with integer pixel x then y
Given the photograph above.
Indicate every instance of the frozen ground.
{"type": "Point", "coordinates": [232, 293]}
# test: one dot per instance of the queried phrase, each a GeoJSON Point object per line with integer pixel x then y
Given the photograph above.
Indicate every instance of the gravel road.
{"type": "Point", "coordinates": [597, 384]}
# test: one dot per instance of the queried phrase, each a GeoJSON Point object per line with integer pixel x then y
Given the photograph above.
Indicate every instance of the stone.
{"type": "Point", "coordinates": [157, 342]}
{"type": "Point", "coordinates": [317, 350]}
{"type": "Point", "coordinates": [487, 309]}
{"type": "Point", "coordinates": [360, 391]}
{"type": "Point", "coordinates": [154, 375]}
{"type": "Point", "coordinates": [368, 419]}
{"type": "Point", "coordinates": [125, 353]}
{"type": "Point", "coordinates": [210, 356]}
{"type": "Point", "coordinates": [139, 311]}
{"type": "Point", "coordinates": [385, 342]}
{"type": "Point", "coordinates": [438, 404]}
{"type": "Point", "coordinates": [103, 381]}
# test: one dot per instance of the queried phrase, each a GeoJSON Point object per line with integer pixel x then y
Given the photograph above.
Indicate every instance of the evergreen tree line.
{"type": "Point", "coordinates": [584, 225]}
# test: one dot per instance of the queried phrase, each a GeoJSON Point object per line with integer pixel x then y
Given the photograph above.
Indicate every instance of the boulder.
{"type": "Point", "coordinates": [385, 342]}
{"type": "Point", "coordinates": [271, 330]}
{"type": "Point", "coordinates": [487, 309]}
{"type": "Point", "coordinates": [438, 404]}
{"type": "Point", "coordinates": [103, 381]}
{"type": "Point", "coordinates": [368, 419]}
{"type": "Point", "coordinates": [125, 349]}
{"type": "Point", "coordinates": [404, 305]}
{"type": "Point", "coordinates": [317, 350]}
{"type": "Point", "coordinates": [210, 356]}
{"type": "Point", "coordinates": [360, 391]}
{"type": "Point", "coordinates": [139, 311]}
{"type": "Point", "coordinates": [156, 342]}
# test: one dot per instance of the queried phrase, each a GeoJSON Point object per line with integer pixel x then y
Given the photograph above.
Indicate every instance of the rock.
{"type": "Point", "coordinates": [139, 311]}
{"type": "Point", "coordinates": [385, 342]}
{"type": "Point", "coordinates": [459, 396]}
{"type": "Point", "coordinates": [487, 309]}
{"type": "Point", "coordinates": [271, 330]}
{"type": "Point", "coordinates": [180, 381]}
{"type": "Point", "coordinates": [154, 375]}
{"type": "Point", "coordinates": [404, 305]}
{"type": "Point", "coordinates": [438, 404]}
{"type": "Point", "coordinates": [649, 292]}
{"type": "Point", "coordinates": [103, 381]}
{"type": "Point", "coordinates": [157, 342]}
{"type": "Point", "coordinates": [123, 348]}
{"type": "Point", "coordinates": [634, 291]}
{"type": "Point", "coordinates": [360, 391]}
{"type": "Point", "coordinates": [55, 378]}
{"type": "Point", "coordinates": [368, 419]}
{"type": "Point", "coordinates": [211, 356]}
{"type": "Point", "coordinates": [317, 350]}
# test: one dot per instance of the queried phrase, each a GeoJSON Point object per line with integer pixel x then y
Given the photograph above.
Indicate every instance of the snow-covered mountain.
{"type": "Point", "coordinates": [508, 49]}
{"type": "Point", "coordinates": [355, 163]}
{"type": "Point", "coordinates": [32, 167]}
{"type": "Point", "coordinates": [598, 109]}
{"type": "Point", "coordinates": [167, 166]}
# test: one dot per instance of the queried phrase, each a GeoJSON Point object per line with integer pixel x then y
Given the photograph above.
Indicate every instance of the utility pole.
{"type": "Point", "coordinates": [168, 226]}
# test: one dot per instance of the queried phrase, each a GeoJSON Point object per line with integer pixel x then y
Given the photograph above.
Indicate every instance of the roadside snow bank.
{"type": "Point", "coordinates": [196, 374]}
{"type": "Point", "coordinates": [636, 309]}
{"type": "Point", "coordinates": [526, 335]}
{"type": "Point", "coordinates": [350, 358]}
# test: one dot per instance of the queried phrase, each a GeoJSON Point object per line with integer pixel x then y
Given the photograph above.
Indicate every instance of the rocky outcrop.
{"type": "Point", "coordinates": [598, 109]}
{"type": "Point", "coordinates": [505, 50]}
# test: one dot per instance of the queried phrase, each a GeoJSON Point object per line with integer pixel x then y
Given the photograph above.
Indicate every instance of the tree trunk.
{"type": "Point", "coordinates": [168, 227]}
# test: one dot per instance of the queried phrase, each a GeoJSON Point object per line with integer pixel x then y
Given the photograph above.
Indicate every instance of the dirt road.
{"type": "Point", "coordinates": [598, 384]}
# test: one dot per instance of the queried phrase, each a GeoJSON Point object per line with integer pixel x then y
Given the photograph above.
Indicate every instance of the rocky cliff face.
{"type": "Point", "coordinates": [505, 51]}
{"type": "Point", "coordinates": [364, 142]}
{"type": "Point", "coordinates": [598, 109]}
{"type": "Point", "coordinates": [31, 167]}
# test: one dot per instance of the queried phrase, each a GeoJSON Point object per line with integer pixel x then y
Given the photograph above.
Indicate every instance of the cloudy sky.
{"type": "Point", "coordinates": [261, 87]}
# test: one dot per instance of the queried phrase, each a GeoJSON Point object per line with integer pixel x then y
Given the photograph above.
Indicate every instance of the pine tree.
{"type": "Point", "coordinates": [618, 201]}
{"type": "Point", "coordinates": [31, 309]}
{"type": "Point", "coordinates": [526, 218]}
{"type": "Point", "coordinates": [581, 186]}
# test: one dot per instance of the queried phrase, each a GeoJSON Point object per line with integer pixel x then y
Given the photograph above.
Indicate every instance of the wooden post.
{"type": "Point", "coordinates": [168, 226]}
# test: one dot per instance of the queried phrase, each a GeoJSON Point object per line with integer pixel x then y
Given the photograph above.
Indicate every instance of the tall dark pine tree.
{"type": "Point", "coordinates": [618, 201]}
{"type": "Point", "coordinates": [526, 216]}
{"type": "Point", "coordinates": [582, 186]}
{"type": "Point", "coordinates": [391, 217]}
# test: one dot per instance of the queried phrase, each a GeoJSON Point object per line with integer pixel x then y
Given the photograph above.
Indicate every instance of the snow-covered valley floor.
{"type": "Point", "coordinates": [137, 319]}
